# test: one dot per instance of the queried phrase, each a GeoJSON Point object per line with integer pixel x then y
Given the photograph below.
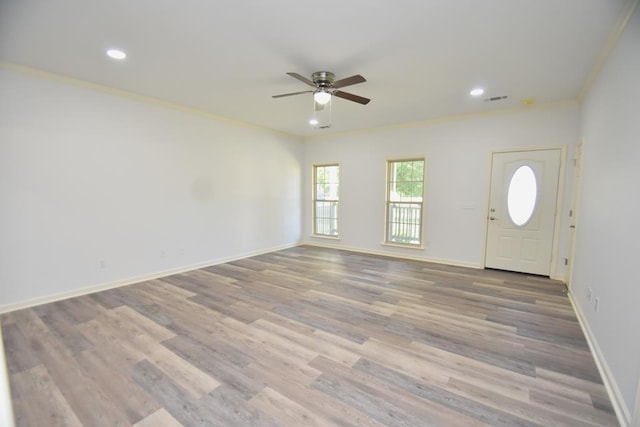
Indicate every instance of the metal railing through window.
{"type": "Point", "coordinates": [404, 223]}
{"type": "Point", "coordinates": [326, 218]}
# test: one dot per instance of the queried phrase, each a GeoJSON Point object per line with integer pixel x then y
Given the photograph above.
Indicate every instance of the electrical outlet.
{"type": "Point", "coordinates": [589, 294]}
{"type": "Point", "coordinates": [596, 306]}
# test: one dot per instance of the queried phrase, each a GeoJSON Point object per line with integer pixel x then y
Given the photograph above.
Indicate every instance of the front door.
{"type": "Point", "coordinates": [522, 210]}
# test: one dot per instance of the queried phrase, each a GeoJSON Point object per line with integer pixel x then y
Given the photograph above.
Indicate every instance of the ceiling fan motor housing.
{"type": "Point", "coordinates": [323, 78]}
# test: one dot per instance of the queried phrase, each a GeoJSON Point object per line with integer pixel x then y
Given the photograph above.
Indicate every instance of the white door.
{"type": "Point", "coordinates": [522, 210]}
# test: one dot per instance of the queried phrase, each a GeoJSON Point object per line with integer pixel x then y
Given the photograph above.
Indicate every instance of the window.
{"type": "Point", "coordinates": [522, 195]}
{"type": "Point", "coordinates": [326, 186]}
{"type": "Point", "coordinates": [405, 189]}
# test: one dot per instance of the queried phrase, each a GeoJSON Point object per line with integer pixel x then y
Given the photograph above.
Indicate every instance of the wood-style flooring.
{"type": "Point", "coordinates": [308, 337]}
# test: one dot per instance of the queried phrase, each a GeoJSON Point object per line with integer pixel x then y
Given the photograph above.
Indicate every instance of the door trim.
{"type": "Point", "coordinates": [635, 421]}
{"type": "Point", "coordinates": [574, 205]}
{"type": "Point", "coordinates": [553, 270]}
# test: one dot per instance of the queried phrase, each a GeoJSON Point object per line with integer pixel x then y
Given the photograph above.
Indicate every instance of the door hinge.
{"type": "Point", "coordinates": [570, 212]}
{"type": "Point", "coordinates": [566, 261]}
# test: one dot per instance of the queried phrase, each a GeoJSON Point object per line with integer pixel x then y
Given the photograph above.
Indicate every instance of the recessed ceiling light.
{"type": "Point", "coordinates": [476, 92]}
{"type": "Point", "coordinates": [116, 54]}
{"type": "Point", "coordinates": [313, 122]}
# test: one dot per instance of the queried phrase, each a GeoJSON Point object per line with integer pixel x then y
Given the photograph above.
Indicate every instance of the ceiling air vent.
{"type": "Point", "coordinates": [495, 98]}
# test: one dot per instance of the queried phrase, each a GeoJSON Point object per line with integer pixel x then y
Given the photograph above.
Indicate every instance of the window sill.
{"type": "Point", "coordinates": [321, 236]}
{"type": "Point", "coordinates": [400, 245]}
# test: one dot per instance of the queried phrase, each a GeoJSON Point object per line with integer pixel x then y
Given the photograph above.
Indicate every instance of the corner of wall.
{"type": "Point", "coordinates": [6, 410]}
{"type": "Point", "coordinates": [619, 406]}
{"type": "Point", "coordinates": [635, 421]}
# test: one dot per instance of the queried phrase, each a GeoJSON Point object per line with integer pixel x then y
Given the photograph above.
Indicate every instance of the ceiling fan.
{"type": "Point", "coordinates": [325, 85]}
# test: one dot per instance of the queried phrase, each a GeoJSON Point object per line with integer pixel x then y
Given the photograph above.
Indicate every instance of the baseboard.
{"type": "Point", "coordinates": [6, 409]}
{"type": "Point", "coordinates": [622, 412]}
{"type": "Point", "coordinates": [394, 255]}
{"type": "Point", "coordinates": [155, 275]}
{"type": "Point", "coordinates": [136, 279]}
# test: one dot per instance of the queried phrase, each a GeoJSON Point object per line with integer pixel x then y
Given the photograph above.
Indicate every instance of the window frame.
{"type": "Point", "coordinates": [315, 200]}
{"type": "Point", "coordinates": [389, 202]}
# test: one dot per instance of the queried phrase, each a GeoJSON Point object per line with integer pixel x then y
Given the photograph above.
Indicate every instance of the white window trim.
{"type": "Point", "coordinates": [314, 200]}
{"type": "Point", "coordinates": [386, 242]}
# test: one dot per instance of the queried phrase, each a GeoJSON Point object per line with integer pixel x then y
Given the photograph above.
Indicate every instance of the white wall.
{"type": "Point", "coordinates": [608, 236]}
{"type": "Point", "coordinates": [457, 173]}
{"type": "Point", "coordinates": [97, 188]}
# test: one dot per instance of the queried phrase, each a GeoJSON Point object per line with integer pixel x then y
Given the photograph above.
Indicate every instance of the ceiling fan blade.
{"type": "Point", "coordinates": [302, 79]}
{"type": "Point", "coordinates": [351, 97]}
{"type": "Point", "coordinates": [349, 81]}
{"type": "Point", "coordinates": [291, 94]}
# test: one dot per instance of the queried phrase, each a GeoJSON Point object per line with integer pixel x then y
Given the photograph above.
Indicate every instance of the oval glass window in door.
{"type": "Point", "coordinates": [522, 195]}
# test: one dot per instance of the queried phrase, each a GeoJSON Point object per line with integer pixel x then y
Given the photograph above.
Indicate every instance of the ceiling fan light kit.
{"type": "Point", "coordinates": [325, 87]}
{"type": "Point", "coordinates": [321, 114]}
{"type": "Point", "coordinates": [321, 96]}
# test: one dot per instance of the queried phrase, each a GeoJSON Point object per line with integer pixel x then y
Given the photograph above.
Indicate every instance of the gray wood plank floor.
{"type": "Point", "coordinates": [308, 337]}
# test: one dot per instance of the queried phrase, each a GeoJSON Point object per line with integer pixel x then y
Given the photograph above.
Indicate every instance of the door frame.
{"type": "Point", "coordinates": [576, 190]}
{"type": "Point", "coordinates": [635, 417]}
{"type": "Point", "coordinates": [553, 268]}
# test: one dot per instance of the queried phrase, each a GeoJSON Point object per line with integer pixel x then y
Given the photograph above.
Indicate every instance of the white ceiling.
{"type": "Point", "coordinates": [420, 57]}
